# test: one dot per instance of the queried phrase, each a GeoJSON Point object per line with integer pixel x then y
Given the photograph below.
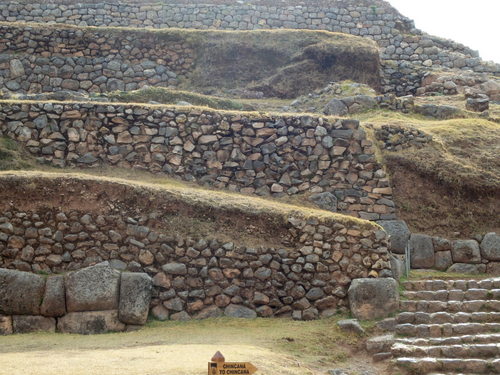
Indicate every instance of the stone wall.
{"type": "Point", "coordinates": [242, 151]}
{"type": "Point", "coordinates": [36, 60]}
{"type": "Point", "coordinates": [304, 273]}
{"type": "Point", "coordinates": [405, 51]}
{"type": "Point", "coordinates": [97, 299]}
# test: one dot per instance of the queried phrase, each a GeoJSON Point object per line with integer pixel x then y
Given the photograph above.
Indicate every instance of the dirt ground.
{"type": "Point", "coordinates": [274, 346]}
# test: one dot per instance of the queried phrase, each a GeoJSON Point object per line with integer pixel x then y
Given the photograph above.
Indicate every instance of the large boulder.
{"type": "Point", "coordinates": [92, 289]}
{"type": "Point", "coordinates": [33, 323]}
{"type": "Point", "coordinates": [239, 311]}
{"type": "Point", "coordinates": [135, 296]}
{"type": "Point", "coordinates": [373, 298]}
{"type": "Point", "coordinates": [472, 269]}
{"type": "Point", "coordinates": [421, 251]}
{"type": "Point", "coordinates": [490, 246]}
{"type": "Point", "coordinates": [20, 292]}
{"type": "Point", "coordinates": [54, 299]}
{"type": "Point", "coordinates": [90, 322]}
{"type": "Point", "coordinates": [465, 251]}
{"type": "Point", "coordinates": [399, 234]}
{"type": "Point", "coordinates": [335, 107]}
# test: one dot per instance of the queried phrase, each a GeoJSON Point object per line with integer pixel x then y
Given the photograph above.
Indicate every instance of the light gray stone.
{"type": "Point", "coordinates": [54, 299]}
{"type": "Point", "coordinates": [465, 251]}
{"type": "Point", "coordinates": [490, 246]}
{"type": "Point", "coordinates": [443, 260]}
{"type": "Point", "coordinates": [351, 325]}
{"type": "Point", "coordinates": [20, 292]}
{"type": "Point", "coordinates": [473, 269]}
{"type": "Point", "coordinates": [175, 269]}
{"type": "Point", "coordinates": [373, 298]}
{"type": "Point", "coordinates": [135, 296]}
{"type": "Point", "coordinates": [92, 289]}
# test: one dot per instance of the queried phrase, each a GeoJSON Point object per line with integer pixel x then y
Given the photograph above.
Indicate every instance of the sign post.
{"type": "Point", "coordinates": [219, 366]}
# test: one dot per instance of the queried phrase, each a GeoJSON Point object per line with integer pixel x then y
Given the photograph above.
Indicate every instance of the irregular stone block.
{"type": "Point", "coordinates": [135, 296]}
{"type": "Point", "coordinates": [397, 267]}
{"type": "Point", "coordinates": [490, 246]}
{"type": "Point", "coordinates": [5, 325]}
{"type": "Point", "coordinates": [175, 269]}
{"type": "Point", "coordinates": [399, 234]}
{"type": "Point", "coordinates": [465, 251]}
{"type": "Point", "coordinates": [33, 323]}
{"type": "Point", "coordinates": [209, 312]}
{"type": "Point", "coordinates": [473, 269]}
{"type": "Point", "coordinates": [239, 311]}
{"type": "Point", "coordinates": [92, 289]}
{"type": "Point", "coordinates": [373, 298]}
{"type": "Point", "coordinates": [443, 260]}
{"type": "Point", "coordinates": [90, 322]}
{"type": "Point", "coordinates": [421, 251]}
{"type": "Point", "coordinates": [351, 325]}
{"type": "Point", "coordinates": [20, 292]}
{"type": "Point", "coordinates": [493, 268]}
{"type": "Point", "coordinates": [54, 300]}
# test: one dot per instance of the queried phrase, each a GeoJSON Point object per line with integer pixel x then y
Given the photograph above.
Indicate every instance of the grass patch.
{"type": "Point", "coordinates": [14, 157]}
{"type": "Point", "coordinates": [169, 96]}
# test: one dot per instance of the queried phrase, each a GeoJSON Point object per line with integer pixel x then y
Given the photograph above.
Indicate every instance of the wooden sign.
{"type": "Point", "coordinates": [219, 366]}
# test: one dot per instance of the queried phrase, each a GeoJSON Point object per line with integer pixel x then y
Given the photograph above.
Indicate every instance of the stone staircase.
{"type": "Point", "coordinates": [445, 328]}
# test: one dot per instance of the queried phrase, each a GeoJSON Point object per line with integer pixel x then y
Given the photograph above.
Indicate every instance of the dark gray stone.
{"type": "Point", "coordinates": [465, 251]}
{"type": "Point", "coordinates": [399, 234]}
{"type": "Point", "coordinates": [90, 322]}
{"type": "Point", "coordinates": [54, 300]}
{"type": "Point", "coordinates": [421, 251]}
{"type": "Point", "coordinates": [20, 292]}
{"type": "Point", "coordinates": [326, 201]}
{"type": "Point", "coordinates": [443, 260]}
{"type": "Point", "coordinates": [335, 107]}
{"type": "Point", "coordinates": [94, 288]}
{"type": "Point", "coordinates": [239, 311]}
{"type": "Point", "coordinates": [373, 298]}
{"type": "Point", "coordinates": [175, 269]}
{"type": "Point", "coordinates": [490, 246]}
{"type": "Point", "coordinates": [33, 323]}
{"type": "Point", "coordinates": [135, 296]}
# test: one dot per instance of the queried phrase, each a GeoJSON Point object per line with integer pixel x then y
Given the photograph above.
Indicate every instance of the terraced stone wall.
{"type": "Point", "coordinates": [405, 51]}
{"type": "Point", "coordinates": [39, 60]}
{"type": "Point", "coordinates": [327, 158]}
{"type": "Point", "coordinates": [307, 276]}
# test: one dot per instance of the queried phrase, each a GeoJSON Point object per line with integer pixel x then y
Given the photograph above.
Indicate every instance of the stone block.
{"type": "Point", "coordinates": [490, 246]}
{"type": "Point", "coordinates": [135, 296]}
{"type": "Point", "coordinates": [94, 288]}
{"type": "Point", "coordinates": [239, 311]}
{"type": "Point", "coordinates": [6, 325]}
{"type": "Point", "coordinates": [20, 292]}
{"type": "Point", "coordinates": [465, 251]}
{"type": "Point", "coordinates": [442, 260]}
{"type": "Point", "coordinates": [373, 298]}
{"type": "Point", "coordinates": [90, 322]}
{"type": "Point", "coordinates": [54, 299]}
{"type": "Point", "coordinates": [33, 323]}
{"type": "Point", "coordinates": [399, 234]}
{"type": "Point", "coordinates": [421, 251]}
{"type": "Point", "coordinates": [472, 269]}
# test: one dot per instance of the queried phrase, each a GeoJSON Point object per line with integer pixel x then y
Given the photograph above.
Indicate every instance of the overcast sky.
{"type": "Point", "coordinates": [475, 23]}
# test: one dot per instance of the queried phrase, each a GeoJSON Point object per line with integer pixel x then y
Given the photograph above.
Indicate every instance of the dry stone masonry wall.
{"type": "Point", "coordinates": [247, 152]}
{"type": "Point", "coordinates": [39, 60]}
{"type": "Point", "coordinates": [405, 51]}
{"type": "Point", "coordinates": [196, 278]}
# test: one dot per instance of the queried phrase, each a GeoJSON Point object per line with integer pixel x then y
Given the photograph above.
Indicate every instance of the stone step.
{"type": "Point", "coordinates": [445, 317]}
{"type": "Point", "coordinates": [472, 294]}
{"type": "Point", "coordinates": [487, 351]}
{"type": "Point", "coordinates": [435, 285]}
{"type": "Point", "coordinates": [446, 329]}
{"type": "Point", "coordinates": [450, 306]}
{"type": "Point", "coordinates": [452, 340]}
{"type": "Point", "coordinates": [427, 365]}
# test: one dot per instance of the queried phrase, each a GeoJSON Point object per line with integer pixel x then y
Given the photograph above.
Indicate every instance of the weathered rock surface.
{"type": "Point", "coordinates": [351, 325]}
{"type": "Point", "coordinates": [473, 269]}
{"type": "Point", "coordinates": [490, 246]}
{"type": "Point", "coordinates": [399, 234]}
{"type": "Point", "coordinates": [6, 325]}
{"type": "Point", "coordinates": [20, 292]}
{"type": "Point", "coordinates": [465, 251]}
{"type": "Point", "coordinates": [373, 298]}
{"type": "Point", "coordinates": [239, 311]}
{"type": "Point", "coordinates": [54, 299]}
{"type": "Point", "coordinates": [33, 323]}
{"type": "Point", "coordinates": [421, 251]}
{"type": "Point", "coordinates": [92, 289]}
{"type": "Point", "coordinates": [135, 296]}
{"type": "Point", "coordinates": [90, 322]}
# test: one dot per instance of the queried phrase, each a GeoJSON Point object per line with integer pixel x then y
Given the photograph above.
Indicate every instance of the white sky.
{"type": "Point", "coordinates": [475, 23]}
